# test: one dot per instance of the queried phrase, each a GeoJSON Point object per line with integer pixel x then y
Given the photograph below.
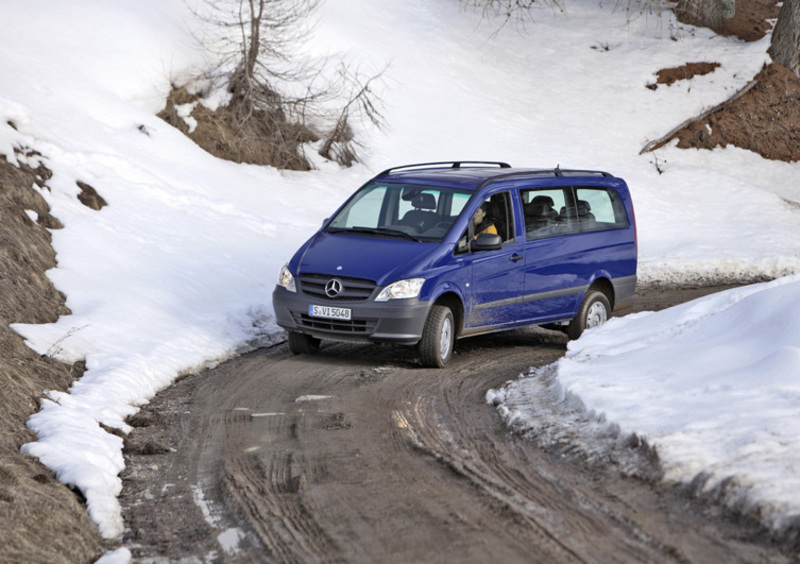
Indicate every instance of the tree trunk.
{"type": "Point", "coordinates": [254, 44]}
{"type": "Point", "coordinates": [785, 47]}
{"type": "Point", "coordinates": [705, 13]}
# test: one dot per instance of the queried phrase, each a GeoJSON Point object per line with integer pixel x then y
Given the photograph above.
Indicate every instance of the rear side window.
{"type": "Point", "coordinates": [552, 212]}
{"type": "Point", "coordinates": [600, 209]}
{"type": "Point", "coordinates": [546, 213]}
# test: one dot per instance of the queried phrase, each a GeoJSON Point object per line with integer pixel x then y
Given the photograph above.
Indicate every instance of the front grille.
{"type": "Point", "coordinates": [340, 326]}
{"type": "Point", "coordinates": [353, 289]}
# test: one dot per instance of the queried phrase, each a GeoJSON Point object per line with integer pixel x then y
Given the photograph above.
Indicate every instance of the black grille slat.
{"type": "Point", "coordinates": [354, 289]}
{"type": "Point", "coordinates": [338, 326]}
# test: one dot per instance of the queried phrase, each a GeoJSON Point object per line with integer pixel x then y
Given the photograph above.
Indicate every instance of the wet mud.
{"type": "Point", "coordinates": [357, 454]}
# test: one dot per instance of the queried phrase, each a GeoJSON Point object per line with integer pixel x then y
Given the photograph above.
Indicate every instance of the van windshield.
{"type": "Point", "coordinates": [413, 212]}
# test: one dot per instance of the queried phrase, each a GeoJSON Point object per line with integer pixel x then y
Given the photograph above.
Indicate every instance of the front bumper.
{"type": "Point", "coordinates": [395, 321]}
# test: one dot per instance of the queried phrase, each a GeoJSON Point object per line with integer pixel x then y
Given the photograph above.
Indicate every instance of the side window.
{"type": "Point", "coordinates": [501, 214]}
{"type": "Point", "coordinates": [600, 209]}
{"type": "Point", "coordinates": [494, 216]}
{"type": "Point", "coordinates": [547, 213]}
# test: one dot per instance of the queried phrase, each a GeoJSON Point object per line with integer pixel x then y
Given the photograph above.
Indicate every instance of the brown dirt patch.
{"type": "Point", "coordinates": [41, 520]}
{"type": "Point", "coordinates": [684, 72]}
{"type": "Point", "coordinates": [764, 117]}
{"type": "Point", "coordinates": [752, 19]}
{"type": "Point", "coordinates": [89, 197]}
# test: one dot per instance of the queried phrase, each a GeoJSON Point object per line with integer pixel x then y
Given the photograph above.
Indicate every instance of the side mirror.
{"type": "Point", "coordinates": [487, 242]}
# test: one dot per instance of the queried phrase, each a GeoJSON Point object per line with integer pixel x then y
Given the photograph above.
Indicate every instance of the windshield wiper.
{"type": "Point", "coordinates": [374, 231]}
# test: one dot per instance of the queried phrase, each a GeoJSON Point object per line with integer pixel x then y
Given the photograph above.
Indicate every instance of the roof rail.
{"type": "Point", "coordinates": [558, 171]}
{"type": "Point", "coordinates": [451, 164]}
{"type": "Point", "coordinates": [545, 172]}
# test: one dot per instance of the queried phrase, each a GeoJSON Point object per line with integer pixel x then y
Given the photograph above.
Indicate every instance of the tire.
{"type": "Point", "coordinates": [438, 338]}
{"type": "Point", "coordinates": [300, 343]}
{"type": "Point", "coordinates": [595, 310]}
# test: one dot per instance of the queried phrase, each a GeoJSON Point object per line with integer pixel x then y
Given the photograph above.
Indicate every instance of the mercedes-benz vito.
{"type": "Point", "coordinates": [427, 254]}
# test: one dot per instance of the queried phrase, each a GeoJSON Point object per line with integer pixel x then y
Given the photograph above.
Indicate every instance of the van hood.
{"type": "Point", "coordinates": [374, 258]}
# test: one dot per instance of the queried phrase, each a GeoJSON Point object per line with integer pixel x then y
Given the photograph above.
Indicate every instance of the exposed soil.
{"type": "Point", "coordinates": [41, 520]}
{"type": "Point", "coordinates": [764, 117]}
{"type": "Point", "coordinates": [388, 462]}
{"type": "Point", "coordinates": [751, 20]}
{"type": "Point", "coordinates": [684, 72]}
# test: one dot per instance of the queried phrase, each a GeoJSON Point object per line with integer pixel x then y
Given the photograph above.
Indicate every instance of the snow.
{"type": "Point", "coordinates": [713, 385]}
{"type": "Point", "coordinates": [176, 273]}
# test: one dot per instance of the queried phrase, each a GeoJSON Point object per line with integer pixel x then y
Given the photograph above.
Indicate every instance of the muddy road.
{"type": "Point", "coordinates": [358, 455]}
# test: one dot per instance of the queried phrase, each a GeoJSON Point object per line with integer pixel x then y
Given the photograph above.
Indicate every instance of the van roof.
{"type": "Point", "coordinates": [474, 174]}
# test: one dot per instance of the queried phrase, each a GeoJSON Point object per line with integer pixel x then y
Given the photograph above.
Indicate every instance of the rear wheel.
{"type": "Point", "coordinates": [595, 310]}
{"type": "Point", "coordinates": [300, 343]}
{"type": "Point", "coordinates": [438, 338]}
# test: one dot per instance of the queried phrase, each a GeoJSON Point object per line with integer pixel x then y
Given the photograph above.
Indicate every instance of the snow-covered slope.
{"type": "Point", "coordinates": [177, 271]}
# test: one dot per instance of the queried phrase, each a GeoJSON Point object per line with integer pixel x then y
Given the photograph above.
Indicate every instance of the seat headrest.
{"type": "Point", "coordinates": [535, 209]}
{"type": "Point", "coordinates": [545, 200]}
{"type": "Point", "coordinates": [424, 201]}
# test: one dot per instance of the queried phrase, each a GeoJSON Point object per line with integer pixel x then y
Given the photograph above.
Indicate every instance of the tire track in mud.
{"type": "Point", "coordinates": [535, 496]}
{"type": "Point", "coordinates": [260, 473]}
{"type": "Point", "coordinates": [268, 495]}
{"type": "Point", "coordinates": [358, 455]}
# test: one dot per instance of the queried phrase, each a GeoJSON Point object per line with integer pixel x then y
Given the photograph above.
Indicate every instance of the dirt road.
{"type": "Point", "coordinates": [359, 455]}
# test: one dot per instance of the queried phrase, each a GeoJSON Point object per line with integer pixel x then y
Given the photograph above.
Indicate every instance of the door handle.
{"type": "Point", "coordinates": [515, 257]}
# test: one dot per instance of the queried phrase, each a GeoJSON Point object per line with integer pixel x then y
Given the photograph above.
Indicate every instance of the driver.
{"type": "Point", "coordinates": [482, 223]}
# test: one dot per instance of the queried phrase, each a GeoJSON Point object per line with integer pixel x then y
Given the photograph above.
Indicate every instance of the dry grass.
{"type": "Point", "coordinates": [240, 133]}
{"type": "Point", "coordinates": [41, 520]}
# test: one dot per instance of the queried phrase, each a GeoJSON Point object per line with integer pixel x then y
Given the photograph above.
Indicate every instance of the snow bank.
{"type": "Point", "coordinates": [713, 385]}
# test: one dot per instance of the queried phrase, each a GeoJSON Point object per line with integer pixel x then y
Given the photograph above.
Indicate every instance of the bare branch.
{"type": "Point", "coordinates": [277, 100]}
{"type": "Point", "coordinates": [339, 144]}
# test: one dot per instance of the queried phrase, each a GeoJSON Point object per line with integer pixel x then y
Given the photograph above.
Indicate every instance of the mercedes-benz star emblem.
{"type": "Point", "coordinates": [333, 288]}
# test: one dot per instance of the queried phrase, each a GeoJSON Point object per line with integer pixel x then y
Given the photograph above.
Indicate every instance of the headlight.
{"type": "Point", "coordinates": [409, 288]}
{"type": "Point", "coordinates": [286, 279]}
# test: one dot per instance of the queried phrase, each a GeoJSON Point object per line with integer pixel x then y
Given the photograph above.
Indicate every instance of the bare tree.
{"type": "Point", "coordinates": [277, 101]}
{"type": "Point", "coordinates": [785, 46]}
{"type": "Point", "coordinates": [267, 32]}
{"type": "Point", "coordinates": [521, 11]}
{"type": "Point", "coordinates": [511, 10]}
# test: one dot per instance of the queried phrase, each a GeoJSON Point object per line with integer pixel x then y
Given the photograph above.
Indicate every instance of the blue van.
{"type": "Point", "coordinates": [426, 254]}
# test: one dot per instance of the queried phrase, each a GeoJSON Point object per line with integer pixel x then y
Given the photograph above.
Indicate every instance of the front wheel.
{"type": "Point", "coordinates": [595, 310]}
{"type": "Point", "coordinates": [300, 343]}
{"type": "Point", "coordinates": [438, 338]}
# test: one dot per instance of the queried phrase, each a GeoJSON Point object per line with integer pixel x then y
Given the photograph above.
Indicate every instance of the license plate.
{"type": "Point", "coordinates": [329, 312]}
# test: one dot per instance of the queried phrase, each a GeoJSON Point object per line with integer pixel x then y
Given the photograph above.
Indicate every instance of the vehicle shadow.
{"type": "Point", "coordinates": [513, 343]}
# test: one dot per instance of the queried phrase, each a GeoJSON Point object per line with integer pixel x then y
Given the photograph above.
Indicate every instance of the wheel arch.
{"type": "Point", "coordinates": [603, 284]}
{"type": "Point", "coordinates": [453, 301]}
